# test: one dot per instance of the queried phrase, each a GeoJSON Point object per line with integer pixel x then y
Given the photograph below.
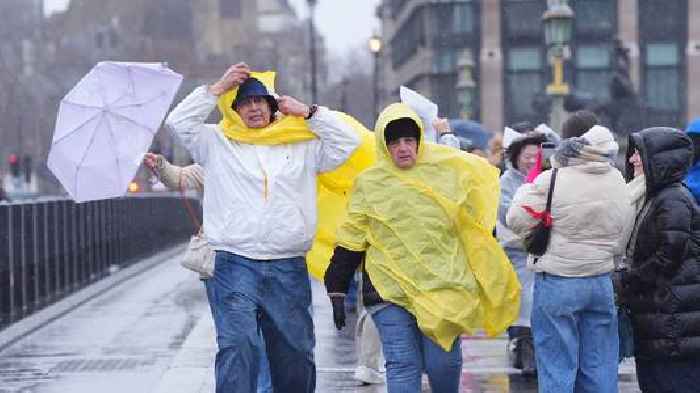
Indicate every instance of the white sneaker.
{"type": "Point", "coordinates": [369, 376]}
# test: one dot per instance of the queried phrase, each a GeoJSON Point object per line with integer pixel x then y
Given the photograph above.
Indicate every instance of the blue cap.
{"type": "Point", "coordinates": [253, 87]}
{"type": "Point", "coordinates": [693, 126]}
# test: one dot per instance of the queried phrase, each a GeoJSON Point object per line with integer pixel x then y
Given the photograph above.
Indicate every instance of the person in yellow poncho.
{"type": "Point", "coordinates": [419, 223]}
{"type": "Point", "coordinates": [261, 172]}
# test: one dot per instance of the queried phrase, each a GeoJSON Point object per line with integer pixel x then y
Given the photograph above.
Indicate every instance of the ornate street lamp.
{"type": "Point", "coordinates": [375, 46]}
{"type": "Point", "coordinates": [558, 20]}
{"type": "Point", "coordinates": [312, 50]}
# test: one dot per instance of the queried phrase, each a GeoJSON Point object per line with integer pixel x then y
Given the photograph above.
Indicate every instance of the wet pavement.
{"type": "Point", "coordinates": [153, 333]}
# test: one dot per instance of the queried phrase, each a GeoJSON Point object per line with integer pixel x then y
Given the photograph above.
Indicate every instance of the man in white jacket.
{"type": "Point", "coordinates": [260, 217]}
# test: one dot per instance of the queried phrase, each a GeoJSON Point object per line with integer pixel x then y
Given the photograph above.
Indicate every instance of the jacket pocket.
{"type": "Point", "coordinates": [286, 225]}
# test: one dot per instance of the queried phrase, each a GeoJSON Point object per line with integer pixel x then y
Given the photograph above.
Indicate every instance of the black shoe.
{"type": "Point", "coordinates": [527, 356]}
{"type": "Point", "coordinates": [514, 356]}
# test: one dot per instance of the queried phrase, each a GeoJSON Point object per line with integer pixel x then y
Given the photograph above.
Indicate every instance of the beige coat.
{"type": "Point", "coordinates": [190, 177]}
{"type": "Point", "coordinates": [590, 211]}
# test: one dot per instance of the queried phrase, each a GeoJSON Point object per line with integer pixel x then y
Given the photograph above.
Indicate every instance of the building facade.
{"type": "Point", "coordinates": [507, 65]}
{"type": "Point", "coordinates": [197, 38]}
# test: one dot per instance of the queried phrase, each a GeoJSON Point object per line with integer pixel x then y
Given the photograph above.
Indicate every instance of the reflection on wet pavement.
{"type": "Point", "coordinates": [154, 334]}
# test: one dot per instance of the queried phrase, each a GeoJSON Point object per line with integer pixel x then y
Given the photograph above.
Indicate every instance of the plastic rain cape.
{"type": "Point", "coordinates": [427, 232]}
{"type": "Point", "coordinates": [333, 187]}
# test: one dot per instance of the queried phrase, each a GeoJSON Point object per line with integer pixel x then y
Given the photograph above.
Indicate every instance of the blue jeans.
{"type": "Point", "coordinates": [574, 325]}
{"type": "Point", "coordinates": [408, 352]}
{"type": "Point", "coordinates": [273, 297]}
{"type": "Point", "coordinates": [264, 379]}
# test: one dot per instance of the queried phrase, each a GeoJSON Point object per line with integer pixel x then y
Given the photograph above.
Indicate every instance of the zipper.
{"type": "Point", "coordinates": [266, 185]}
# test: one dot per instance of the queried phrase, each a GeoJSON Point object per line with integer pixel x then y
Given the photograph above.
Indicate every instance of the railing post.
{"type": "Point", "coordinates": [6, 255]}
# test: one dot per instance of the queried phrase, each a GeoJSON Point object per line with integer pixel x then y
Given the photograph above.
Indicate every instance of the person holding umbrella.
{"type": "Point", "coordinates": [260, 217]}
{"type": "Point", "coordinates": [191, 177]}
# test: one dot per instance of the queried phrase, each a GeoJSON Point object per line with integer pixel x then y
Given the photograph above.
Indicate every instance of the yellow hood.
{"type": "Point", "coordinates": [427, 233]}
{"type": "Point", "coordinates": [285, 129]}
{"type": "Point", "coordinates": [394, 112]}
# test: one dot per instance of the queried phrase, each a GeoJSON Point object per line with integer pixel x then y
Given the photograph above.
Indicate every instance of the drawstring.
{"type": "Point", "coordinates": [266, 187]}
{"type": "Point", "coordinates": [266, 192]}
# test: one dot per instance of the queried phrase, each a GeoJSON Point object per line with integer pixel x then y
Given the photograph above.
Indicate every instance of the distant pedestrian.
{"type": "Point", "coordinates": [692, 180]}
{"type": "Point", "coordinates": [574, 317]}
{"type": "Point", "coordinates": [662, 286]}
{"type": "Point", "coordinates": [578, 123]}
{"type": "Point", "coordinates": [3, 194]}
{"type": "Point", "coordinates": [496, 152]}
{"type": "Point", "coordinates": [419, 228]}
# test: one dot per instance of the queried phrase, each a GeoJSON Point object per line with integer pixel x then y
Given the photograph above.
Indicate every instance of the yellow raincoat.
{"type": "Point", "coordinates": [333, 187]}
{"type": "Point", "coordinates": [427, 233]}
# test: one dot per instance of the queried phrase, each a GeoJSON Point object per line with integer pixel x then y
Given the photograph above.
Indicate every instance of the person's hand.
{"type": "Point", "coordinates": [150, 160]}
{"type": "Point", "coordinates": [290, 106]}
{"type": "Point", "coordinates": [234, 76]}
{"type": "Point", "coordinates": [441, 125]}
{"type": "Point", "coordinates": [338, 303]}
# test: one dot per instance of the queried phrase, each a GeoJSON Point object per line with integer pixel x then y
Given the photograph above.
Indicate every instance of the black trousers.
{"type": "Point", "coordinates": [668, 376]}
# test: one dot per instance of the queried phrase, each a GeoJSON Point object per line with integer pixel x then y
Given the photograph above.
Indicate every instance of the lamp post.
{"type": "Point", "coordinates": [375, 46]}
{"type": "Point", "coordinates": [557, 34]}
{"type": "Point", "coordinates": [312, 50]}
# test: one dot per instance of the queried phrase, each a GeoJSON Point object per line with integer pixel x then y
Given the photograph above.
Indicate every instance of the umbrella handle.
{"type": "Point", "coordinates": [188, 206]}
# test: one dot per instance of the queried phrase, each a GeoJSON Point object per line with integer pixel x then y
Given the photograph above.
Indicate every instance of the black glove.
{"type": "Point", "coordinates": [338, 303]}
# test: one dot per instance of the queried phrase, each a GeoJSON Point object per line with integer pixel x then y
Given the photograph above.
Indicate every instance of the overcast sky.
{"type": "Point", "coordinates": [346, 24]}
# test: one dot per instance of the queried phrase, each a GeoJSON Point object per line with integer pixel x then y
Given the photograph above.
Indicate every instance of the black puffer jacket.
{"type": "Point", "coordinates": [662, 288]}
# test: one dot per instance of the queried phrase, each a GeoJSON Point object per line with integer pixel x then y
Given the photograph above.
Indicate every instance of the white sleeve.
{"type": "Point", "coordinates": [186, 121]}
{"type": "Point", "coordinates": [338, 140]}
{"type": "Point", "coordinates": [449, 139]}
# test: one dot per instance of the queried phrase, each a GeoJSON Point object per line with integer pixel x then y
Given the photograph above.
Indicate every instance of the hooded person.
{"type": "Point", "coordinates": [260, 213]}
{"type": "Point", "coordinates": [692, 180]}
{"type": "Point", "coordinates": [419, 225]}
{"type": "Point", "coordinates": [574, 317]}
{"type": "Point", "coordinates": [661, 287]}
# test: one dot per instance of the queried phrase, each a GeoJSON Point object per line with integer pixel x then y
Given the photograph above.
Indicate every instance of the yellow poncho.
{"type": "Point", "coordinates": [333, 187]}
{"type": "Point", "coordinates": [427, 232]}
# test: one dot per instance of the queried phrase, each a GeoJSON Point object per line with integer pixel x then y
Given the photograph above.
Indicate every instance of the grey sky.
{"type": "Point", "coordinates": [346, 24]}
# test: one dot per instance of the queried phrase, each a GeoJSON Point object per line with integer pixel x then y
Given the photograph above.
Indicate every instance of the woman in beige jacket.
{"type": "Point", "coordinates": [191, 176]}
{"type": "Point", "coordinates": [574, 318]}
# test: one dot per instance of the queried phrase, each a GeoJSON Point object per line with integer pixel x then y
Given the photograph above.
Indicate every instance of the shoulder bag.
{"type": "Point", "coordinates": [199, 257]}
{"type": "Point", "coordinates": [537, 241]}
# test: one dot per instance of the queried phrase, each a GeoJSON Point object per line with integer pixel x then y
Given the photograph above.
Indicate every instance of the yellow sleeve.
{"type": "Point", "coordinates": [483, 191]}
{"type": "Point", "coordinates": [352, 233]}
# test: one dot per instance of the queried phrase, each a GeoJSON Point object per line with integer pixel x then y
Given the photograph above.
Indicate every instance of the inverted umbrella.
{"type": "Point", "coordinates": [106, 123]}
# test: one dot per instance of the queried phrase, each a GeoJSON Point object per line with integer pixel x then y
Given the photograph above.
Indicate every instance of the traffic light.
{"type": "Point", "coordinates": [13, 161]}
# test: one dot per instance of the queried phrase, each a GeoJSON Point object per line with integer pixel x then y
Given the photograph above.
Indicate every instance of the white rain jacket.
{"type": "Point", "coordinates": [242, 214]}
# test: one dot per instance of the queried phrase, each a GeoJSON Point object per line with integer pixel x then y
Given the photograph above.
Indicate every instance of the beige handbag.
{"type": "Point", "coordinates": [199, 257]}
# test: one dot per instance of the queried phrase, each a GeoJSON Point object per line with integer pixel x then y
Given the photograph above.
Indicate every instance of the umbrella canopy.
{"type": "Point", "coordinates": [106, 123]}
{"type": "Point", "coordinates": [471, 132]}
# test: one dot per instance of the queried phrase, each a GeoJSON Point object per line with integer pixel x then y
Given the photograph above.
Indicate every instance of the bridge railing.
{"type": "Point", "coordinates": [49, 249]}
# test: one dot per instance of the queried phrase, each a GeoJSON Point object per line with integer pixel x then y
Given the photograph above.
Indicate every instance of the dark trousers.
{"type": "Point", "coordinates": [668, 376]}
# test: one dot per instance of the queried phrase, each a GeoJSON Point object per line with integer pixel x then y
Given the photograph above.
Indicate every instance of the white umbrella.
{"type": "Point", "coordinates": [106, 123]}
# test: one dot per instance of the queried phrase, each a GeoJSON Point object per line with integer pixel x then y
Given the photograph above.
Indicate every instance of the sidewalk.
{"type": "Point", "coordinates": [148, 329]}
{"type": "Point", "coordinates": [485, 366]}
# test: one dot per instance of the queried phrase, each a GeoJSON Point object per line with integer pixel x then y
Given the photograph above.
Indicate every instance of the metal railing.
{"type": "Point", "coordinates": [49, 249]}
